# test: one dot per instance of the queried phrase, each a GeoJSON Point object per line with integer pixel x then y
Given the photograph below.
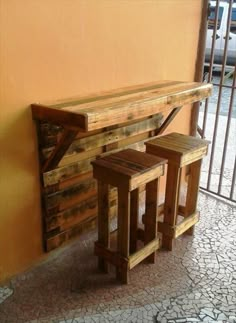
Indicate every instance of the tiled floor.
{"type": "Point", "coordinates": [196, 282]}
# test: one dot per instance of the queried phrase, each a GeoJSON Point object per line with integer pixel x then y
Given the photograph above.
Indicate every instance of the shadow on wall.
{"type": "Point", "coordinates": [19, 190]}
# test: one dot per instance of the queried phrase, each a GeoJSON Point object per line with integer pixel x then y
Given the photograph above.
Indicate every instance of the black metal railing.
{"type": "Point", "coordinates": [217, 117]}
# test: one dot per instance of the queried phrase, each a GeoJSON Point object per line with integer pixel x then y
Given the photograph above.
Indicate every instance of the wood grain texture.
{"type": "Point", "coordinates": [128, 169]}
{"type": "Point", "coordinates": [107, 137]}
{"type": "Point", "coordinates": [134, 215]}
{"type": "Point", "coordinates": [123, 237]}
{"type": "Point", "coordinates": [192, 191]}
{"type": "Point", "coordinates": [143, 253]}
{"type": "Point", "coordinates": [103, 221]}
{"type": "Point", "coordinates": [60, 149]}
{"type": "Point", "coordinates": [91, 113]}
{"type": "Point", "coordinates": [151, 211]}
{"type": "Point", "coordinates": [179, 149]}
{"type": "Point", "coordinates": [74, 132]}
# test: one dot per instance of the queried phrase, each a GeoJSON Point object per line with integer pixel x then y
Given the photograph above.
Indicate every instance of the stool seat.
{"type": "Point", "coordinates": [127, 170]}
{"type": "Point", "coordinates": [180, 150]}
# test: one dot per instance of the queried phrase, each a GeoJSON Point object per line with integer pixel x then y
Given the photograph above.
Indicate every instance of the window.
{"type": "Point", "coordinates": [233, 21]}
{"type": "Point", "coordinates": [211, 19]}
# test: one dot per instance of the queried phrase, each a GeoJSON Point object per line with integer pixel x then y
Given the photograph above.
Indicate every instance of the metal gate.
{"type": "Point", "coordinates": [217, 116]}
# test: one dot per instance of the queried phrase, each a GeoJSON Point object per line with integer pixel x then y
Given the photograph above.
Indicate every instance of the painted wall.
{"type": "Point", "coordinates": [61, 48]}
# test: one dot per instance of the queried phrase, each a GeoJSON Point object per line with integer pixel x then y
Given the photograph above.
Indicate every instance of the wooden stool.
{"type": "Point", "coordinates": [180, 150]}
{"type": "Point", "coordinates": [127, 170]}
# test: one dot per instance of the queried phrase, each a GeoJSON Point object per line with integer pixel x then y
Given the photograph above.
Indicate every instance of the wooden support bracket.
{"type": "Point", "coordinates": [60, 149]}
{"type": "Point", "coordinates": [167, 121]}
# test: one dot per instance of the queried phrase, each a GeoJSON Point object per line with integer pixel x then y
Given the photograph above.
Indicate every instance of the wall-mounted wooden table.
{"type": "Point", "coordinates": [71, 133]}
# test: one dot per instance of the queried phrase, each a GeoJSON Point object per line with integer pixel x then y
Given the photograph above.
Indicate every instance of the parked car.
{"type": "Point", "coordinates": [221, 34]}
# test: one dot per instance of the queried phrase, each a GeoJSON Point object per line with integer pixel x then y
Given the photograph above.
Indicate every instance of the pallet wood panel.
{"type": "Point", "coordinates": [72, 133]}
{"type": "Point", "coordinates": [107, 137]}
{"type": "Point", "coordinates": [63, 198]}
{"type": "Point", "coordinates": [69, 191]}
{"type": "Point", "coordinates": [67, 172]}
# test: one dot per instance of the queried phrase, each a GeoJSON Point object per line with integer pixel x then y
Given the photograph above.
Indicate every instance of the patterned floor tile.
{"type": "Point", "coordinates": [196, 282]}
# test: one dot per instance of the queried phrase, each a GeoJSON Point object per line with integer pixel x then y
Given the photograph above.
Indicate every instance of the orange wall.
{"type": "Point", "coordinates": [61, 48]}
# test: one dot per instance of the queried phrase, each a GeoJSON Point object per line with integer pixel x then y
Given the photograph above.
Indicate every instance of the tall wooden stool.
{"type": "Point", "coordinates": [180, 150]}
{"type": "Point", "coordinates": [127, 170]}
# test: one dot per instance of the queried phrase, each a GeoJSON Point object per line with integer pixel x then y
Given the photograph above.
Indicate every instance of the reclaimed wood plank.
{"type": "Point", "coordinates": [107, 137]}
{"type": "Point", "coordinates": [64, 220]}
{"type": "Point", "coordinates": [109, 255]}
{"type": "Point", "coordinates": [169, 87]}
{"type": "Point", "coordinates": [103, 112]}
{"type": "Point", "coordinates": [72, 194]}
{"type": "Point", "coordinates": [103, 116]}
{"type": "Point", "coordinates": [56, 240]}
{"type": "Point", "coordinates": [69, 120]}
{"type": "Point", "coordinates": [151, 211]}
{"type": "Point", "coordinates": [70, 171]}
{"type": "Point", "coordinates": [179, 149]}
{"type": "Point", "coordinates": [72, 214]}
{"type": "Point", "coordinates": [97, 96]}
{"type": "Point", "coordinates": [123, 236]}
{"type": "Point", "coordinates": [124, 99]}
{"type": "Point", "coordinates": [171, 202]}
{"type": "Point", "coordinates": [62, 234]}
{"type": "Point", "coordinates": [103, 221]}
{"type": "Point", "coordinates": [134, 215]}
{"type": "Point", "coordinates": [59, 151]}
{"type": "Point", "coordinates": [63, 184]}
{"type": "Point", "coordinates": [141, 254]}
{"type": "Point", "coordinates": [186, 224]}
{"type": "Point", "coordinates": [64, 173]}
{"type": "Point", "coordinates": [192, 191]}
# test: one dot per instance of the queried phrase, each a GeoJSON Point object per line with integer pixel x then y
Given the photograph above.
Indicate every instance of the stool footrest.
{"type": "Point", "coordinates": [180, 228]}
{"type": "Point", "coordinates": [143, 253]}
{"type": "Point", "coordinates": [115, 259]}
{"type": "Point", "coordinates": [109, 255]}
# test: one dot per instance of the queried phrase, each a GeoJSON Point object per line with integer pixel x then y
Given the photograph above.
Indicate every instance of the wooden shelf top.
{"type": "Point", "coordinates": [100, 110]}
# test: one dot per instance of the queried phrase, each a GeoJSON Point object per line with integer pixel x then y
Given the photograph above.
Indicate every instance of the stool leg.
{"type": "Point", "coordinates": [123, 233]}
{"type": "Point", "coordinates": [103, 222]}
{"type": "Point", "coordinates": [151, 212]}
{"type": "Point", "coordinates": [134, 212]}
{"type": "Point", "coordinates": [171, 202]}
{"type": "Point", "coordinates": [192, 191]}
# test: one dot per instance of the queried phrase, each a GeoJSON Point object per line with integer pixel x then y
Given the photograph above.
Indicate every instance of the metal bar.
{"type": "Point", "coordinates": [220, 195]}
{"type": "Point", "coordinates": [225, 85]}
{"type": "Point", "coordinates": [211, 64]}
{"type": "Point", "coordinates": [233, 180]}
{"type": "Point", "coordinates": [227, 134]}
{"type": "Point", "coordinates": [219, 96]}
{"type": "Point", "coordinates": [199, 64]}
{"type": "Point", "coordinates": [199, 130]}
